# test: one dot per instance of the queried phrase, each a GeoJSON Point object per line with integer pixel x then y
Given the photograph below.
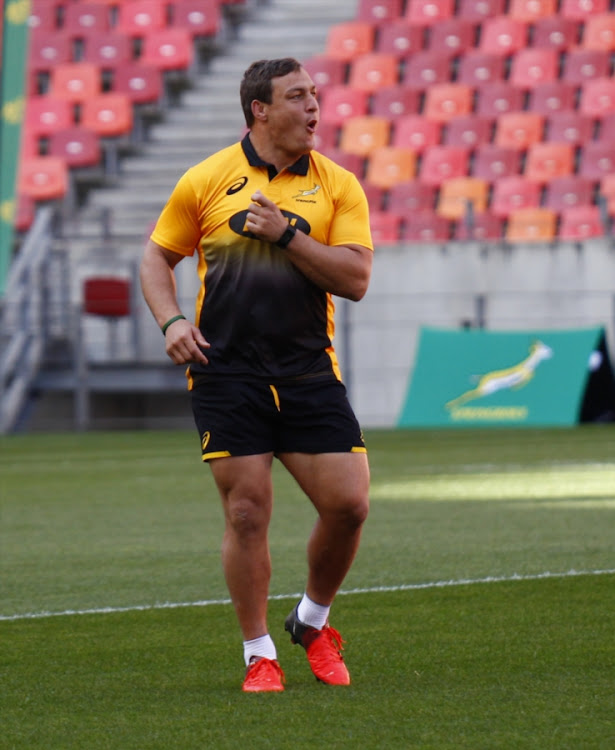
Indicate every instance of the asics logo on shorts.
{"type": "Point", "coordinates": [205, 440]}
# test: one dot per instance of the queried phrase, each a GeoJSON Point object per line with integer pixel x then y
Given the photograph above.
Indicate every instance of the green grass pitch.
{"type": "Point", "coordinates": [480, 611]}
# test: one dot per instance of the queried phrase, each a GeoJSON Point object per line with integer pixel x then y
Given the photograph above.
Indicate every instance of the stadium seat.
{"type": "Point", "coordinates": [168, 49]}
{"type": "Point", "coordinates": [108, 115]}
{"type": "Point", "coordinates": [43, 178]}
{"type": "Point", "coordinates": [81, 19]}
{"type": "Point", "coordinates": [476, 68]}
{"type": "Point", "coordinates": [512, 193]}
{"type": "Point", "coordinates": [76, 81]}
{"type": "Point", "coordinates": [483, 226]}
{"type": "Point", "coordinates": [469, 131]}
{"type": "Point", "coordinates": [409, 197]}
{"type": "Point", "coordinates": [385, 227]}
{"type": "Point", "coordinates": [580, 223]}
{"type": "Point", "coordinates": [389, 165]}
{"type": "Point", "coordinates": [597, 160]}
{"type": "Point", "coordinates": [446, 101]}
{"type": "Point", "coordinates": [394, 102]}
{"type": "Point", "coordinates": [426, 226]}
{"type": "Point", "coordinates": [497, 98]}
{"type": "Point", "coordinates": [581, 65]}
{"type": "Point", "coordinates": [599, 32]}
{"type": "Point", "coordinates": [25, 213]}
{"type": "Point", "coordinates": [426, 68]}
{"type": "Point", "coordinates": [502, 35]}
{"type": "Point", "coordinates": [493, 162]}
{"type": "Point", "coordinates": [349, 39]}
{"type": "Point", "coordinates": [597, 97]}
{"type": "Point", "coordinates": [327, 136]}
{"type": "Point", "coordinates": [44, 15]}
{"type": "Point", "coordinates": [531, 225]}
{"type": "Point", "coordinates": [440, 163]}
{"type": "Point", "coordinates": [107, 296]}
{"type": "Point", "coordinates": [454, 36]}
{"type": "Point", "coordinates": [379, 11]}
{"type": "Point", "coordinates": [421, 13]}
{"type": "Point", "coordinates": [202, 18]}
{"type": "Point", "coordinates": [141, 83]}
{"type": "Point", "coordinates": [354, 163]}
{"type": "Point", "coordinates": [455, 195]}
{"type": "Point", "coordinates": [107, 50]}
{"type": "Point", "coordinates": [518, 129]}
{"type": "Point", "coordinates": [545, 161]}
{"type": "Point", "coordinates": [579, 10]}
{"type": "Point", "coordinates": [532, 66]}
{"type": "Point", "coordinates": [479, 10]}
{"type": "Point", "coordinates": [607, 192]}
{"type": "Point", "coordinates": [416, 132]}
{"type": "Point", "coordinates": [77, 146]}
{"type": "Point", "coordinates": [552, 96]}
{"type": "Point", "coordinates": [46, 114]}
{"type": "Point", "coordinates": [569, 127]}
{"type": "Point", "coordinates": [140, 17]}
{"type": "Point", "coordinates": [399, 38]}
{"type": "Point", "coordinates": [375, 196]}
{"type": "Point", "coordinates": [556, 32]}
{"type": "Point", "coordinates": [325, 71]}
{"type": "Point", "coordinates": [338, 103]}
{"type": "Point", "coordinates": [48, 49]}
{"type": "Point", "coordinates": [373, 70]}
{"type": "Point", "coordinates": [530, 11]}
{"type": "Point", "coordinates": [569, 191]}
{"type": "Point", "coordinates": [361, 135]}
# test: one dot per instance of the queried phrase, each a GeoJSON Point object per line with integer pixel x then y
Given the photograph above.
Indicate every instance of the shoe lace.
{"type": "Point", "coordinates": [330, 643]}
{"type": "Point", "coordinates": [261, 669]}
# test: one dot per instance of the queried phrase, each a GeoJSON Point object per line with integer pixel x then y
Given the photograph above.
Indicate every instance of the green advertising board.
{"type": "Point", "coordinates": [539, 378]}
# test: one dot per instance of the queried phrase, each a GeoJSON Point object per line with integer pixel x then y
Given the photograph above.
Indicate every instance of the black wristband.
{"type": "Point", "coordinates": [287, 236]}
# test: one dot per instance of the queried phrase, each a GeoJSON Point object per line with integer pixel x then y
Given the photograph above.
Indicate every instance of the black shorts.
{"type": "Point", "coordinates": [239, 418]}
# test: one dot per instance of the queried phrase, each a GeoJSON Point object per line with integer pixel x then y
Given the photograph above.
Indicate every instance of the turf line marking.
{"type": "Point", "coordinates": [281, 597]}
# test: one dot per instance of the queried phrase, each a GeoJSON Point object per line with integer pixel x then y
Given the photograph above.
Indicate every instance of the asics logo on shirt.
{"type": "Point", "coordinates": [237, 186]}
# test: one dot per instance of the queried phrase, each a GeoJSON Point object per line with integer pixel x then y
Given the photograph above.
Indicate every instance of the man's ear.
{"type": "Point", "coordinates": [259, 110]}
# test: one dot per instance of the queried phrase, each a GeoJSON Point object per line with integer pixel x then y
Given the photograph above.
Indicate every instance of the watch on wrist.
{"type": "Point", "coordinates": [287, 236]}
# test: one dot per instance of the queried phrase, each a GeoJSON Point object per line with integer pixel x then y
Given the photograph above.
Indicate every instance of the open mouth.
{"type": "Point", "coordinates": [312, 125]}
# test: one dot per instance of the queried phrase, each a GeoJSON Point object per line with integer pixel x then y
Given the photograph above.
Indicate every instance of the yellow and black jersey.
{"type": "Point", "coordinates": [262, 317]}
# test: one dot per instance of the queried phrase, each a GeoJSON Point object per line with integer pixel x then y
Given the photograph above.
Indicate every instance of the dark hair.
{"type": "Point", "coordinates": [256, 83]}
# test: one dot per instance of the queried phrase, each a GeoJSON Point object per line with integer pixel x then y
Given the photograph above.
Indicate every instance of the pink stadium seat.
{"type": "Point", "coordinates": [512, 193]}
{"type": "Point", "coordinates": [446, 101]}
{"type": "Point", "coordinates": [453, 35]}
{"type": "Point", "coordinates": [375, 196]}
{"type": "Point", "coordinates": [497, 98]}
{"type": "Point", "coordinates": [379, 11]}
{"type": "Point", "coordinates": [76, 81]}
{"type": "Point", "coordinates": [485, 226]}
{"type": "Point", "coordinates": [338, 103]}
{"type": "Point", "coordinates": [77, 146]}
{"type": "Point", "coordinates": [597, 159]}
{"type": "Point", "coordinates": [533, 66]}
{"type": "Point", "coordinates": [372, 70]}
{"type": "Point", "coordinates": [140, 17]}
{"type": "Point", "coordinates": [385, 227]}
{"type": "Point", "coordinates": [478, 68]}
{"type": "Point", "coordinates": [389, 165]}
{"type": "Point", "coordinates": [141, 83]}
{"type": "Point", "coordinates": [531, 225]}
{"type": "Point", "coordinates": [43, 178]}
{"type": "Point", "coordinates": [44, 15]}
{"type": "Point", "coordinates": [426, 226]}
{"type": "Point", "coordinates": [108, 50]}
{"type": "Point", "coordinates": [394, 101]}
{"type": "Point", "coordinates": [469, 131]}
{"type": "Point", "coordinates": [502, 35]}
{"type": "Point", "coordinates": [568, 191]}
{"type": "Point", "coordinates": [348, 40]}
{"type": "Point", "coordinates": [494, 162]}
{"type": "Point", "coordinates": [84, 18]}
{"type": "Point", "coordinates": [580, 223]}
{"type": "Point", "coordinates": [421, 13]}
{"type": "Point", "coordinates": [48, 49]}
{"type": "Point", "coordinates": [598, 97]}
{"type": "Point", "coordinates": [46, 114]}
{"type": "Point", "coordinates": [545, 161]}
{"type": "Point", "coordinates": [168, 49]}
{"type": "Point", "coordinates": [479, 10]}
{"type": "Point", "coordinates": [569, 127]}
{"type": "Point", "coordinates": [552, 96]}
{"type": "Point", "coordinates": [599, 32]}
{"type": "Point", "coordinates": [426, 68]}
{"type": "Point", "coordinates": [108, 115]}
{"type": "Point", "coordinates": [581, 65]}
{"type": "Point", "coordinates": [399, 38]}
{"type": "Point", "coordinates": [409, 197]}
{"type": "Point", "coordinates": [326, 71]}
{"type": "Point", "coordinates": [518, 129]}
{"type": "Point", "coordinates": [440, 163]}
{"type": "Point", "coordinates": [556, 32]}
{"type": "Point", "coordinates": [416, 132]}
{"type": "Point", "coordinates": [202, 18]}
{"type": "Point", "coordinates": [530, 11]}
{"type": "Point", "coordinates": [579, 10]}
{"type": "Point", "coordinates": [327, 136]}
{"type": "Point", "coordinates": [354, 163]}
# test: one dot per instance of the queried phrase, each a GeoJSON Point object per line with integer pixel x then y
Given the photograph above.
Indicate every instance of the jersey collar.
{"type": "Point", "coordinates": [299, 167]}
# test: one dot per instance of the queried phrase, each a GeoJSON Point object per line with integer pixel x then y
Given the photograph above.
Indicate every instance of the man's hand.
{"type": "Point", "coordinates": [264, 219]}
{"type": "Point", "coordinates": [184, 343]}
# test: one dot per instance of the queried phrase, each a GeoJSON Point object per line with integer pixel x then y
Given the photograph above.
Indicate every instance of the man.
{"type": "Point", "coordinates": [278, 229]}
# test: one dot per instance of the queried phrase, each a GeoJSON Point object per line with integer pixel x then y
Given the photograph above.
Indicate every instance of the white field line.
{"type": "Point", "coordinates": [278, 597]}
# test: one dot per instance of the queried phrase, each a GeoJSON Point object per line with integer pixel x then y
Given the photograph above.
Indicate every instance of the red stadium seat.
{"type": "Point", "coordinates": [531, 225]}
{"type": "Point", "coordinates": [325, 71]}
{"type": "Point", "coordinates": [556, 32]}
{"type": "Point", "coordinates": [107, 50]}
{"type": "Point", "coordinates": [421, 13]}
{"type": "Point", "coordinates": [107, 296]}
{"type": "Point", "coordinates": [426, 68]}
{"type": "Point", "coordinates": [416, 132]}
{"type": "Point", "coordinates": [168, 49]}
{"type": "Point", "coordinates": [598, 97]}
{"type": "Point", "coordinates": [338, 103]}
{"type": "Point", "coordinates": [512, 193]}
{"type": "Point", "coordinates": [140, 17]}
{"type": "Point", "coordinates": [494, 162]}
{"type": "Point", "coordinates": [580, 223]}
{"type": "Point", "coordinates": [81, 19]}
{"type": "Point", "coordinates": [530, 11]}
{"type": "Point", "coordinates": [348, 40]}
{"type": "Point", "coordinates": [569, 127]}
{"type": "Point", "coordinates": [533, 66]}
{"type": "Point", "coordinates": [76, 82]}
{"type": "Point", "coordinates": [426, 226]}
{"type": "Point", "coordinates": [479, 10]}
{"type": "Point", "coordinates": [327, 136]}
{"type": "Point", "coordinates": [141, 83]}
{"type": "Point", "coordinates": [545, 161]}
{"type": "Point", "coordinates": [25, 213]}
{"type": "Point", "coordinates": [552, 96]}
{"type": "Point", "coordinates": [579, 10]}
{"type": "Point", "coordinates": [497, 98]}
{"type": "Point", "coordinates": [399, 38]}
{"type": "Point", "coordinates": [361, 135]}
{"type": "Point", "coordinates": [570, 190]}
{"type": "Point", "coordinates": [45, 114]}
{"type": "Point", "coordinates": [469, 131]}
{"type": "Point", "coordinates": [354, 163]}
{"type": "Point", "coordinates": [43, 178]}
{"type": "Point", "coordinates": [371, 71]}
{"type": "Point", "coordinates": [581, 65]}
{"type": "Point", "coordinates": [502, 35]}
{"type": "Point", "coordinates": [379, 11]}
{"type": "Point", "coordinates": [44, 15]}
{"type": "Point", "coordinates": [385, 227]}
{"type": "Point", "coordinates": [483, 226]}
{"type": "Point", "coordinates": [409, 197]}
{"type": "Point", "coordinates": [599, 32]}
{"type": "Point", "coordinates": [446, 101]}
{"type": "Point", "coordinates": [108, 115]}
{"type": "Point", "coordinates": [202, 18]}
{"type": "Point", "coordinates": [442, 163]}
{"type": "Point", "coordinates": [607, 191]}
{"type": "Point", "coordinates": [518, 129]}
{"type": "Point", "coordinates": [77, 146]}
{"type": "Point", "coordinates": [389, 165]}
{"type": "Point", "coordinates": [597, 160]}
{"type": "Point", "coordinates": [375, 196]}
{"type": "Point", "coordinates": [453, 35]}
{"type": "Point", "coordinates": [48, 49]}
{"type": "Point", "coordinates": [478, 68]}
{"type": "Point", "coordinates": [394, 101]}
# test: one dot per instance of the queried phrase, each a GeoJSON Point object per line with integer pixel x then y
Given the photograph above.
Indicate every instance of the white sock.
{"type": "Point", "coordinates": [262, 647]}
{"type": "Point", "coordinates": [310, 613]}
